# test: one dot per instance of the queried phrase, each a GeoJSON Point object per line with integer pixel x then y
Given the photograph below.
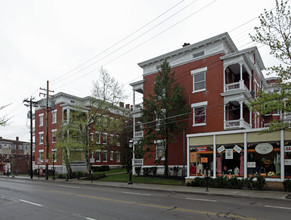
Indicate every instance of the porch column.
{"type": "Point", "coordinates": [240, 71]}
{"type": "Point", "coordinates": [214, 156]}
{"type": "Point", "coordinates": [282, 155]}
{"type": "Point", "coordinates": [241, 105]}
{"type": "Point", "coordinates": [251, 117]}
{"type": "Point", "coordinates": [133, 158]}
{"type": "Point", "coordinates": [68, 114]}
{"type": "Point", "coordinates": [188, 158]}
{"type": "Point", "coordinates": [133, 102]}
{"type": "Point", "coordinates": [245, 155]}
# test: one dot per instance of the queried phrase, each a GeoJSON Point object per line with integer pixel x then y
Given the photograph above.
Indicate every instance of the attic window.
{"type": "Point", "coordinates": [199, 54]}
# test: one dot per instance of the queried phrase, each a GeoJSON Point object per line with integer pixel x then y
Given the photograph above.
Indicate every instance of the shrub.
{"type": "Point", "coordinates": [146, 171]}
{"type": "Point", "coordinates": [137, 170]}
{"type": "Point", "coordinates": [287, 185]}
{"type": "Point", "coordinates": [260, 183]}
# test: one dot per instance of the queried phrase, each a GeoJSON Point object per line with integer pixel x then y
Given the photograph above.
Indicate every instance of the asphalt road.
{"type": "Point", "coordinates": [25, 199]}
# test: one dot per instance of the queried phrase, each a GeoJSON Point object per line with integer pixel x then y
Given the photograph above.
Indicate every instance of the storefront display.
{"type": "Point", "coordinates": [230, 160]}
{"type": "Point", "coordinates": [201, 159]}
{"type": "Point", "coordinates": [264, 159]}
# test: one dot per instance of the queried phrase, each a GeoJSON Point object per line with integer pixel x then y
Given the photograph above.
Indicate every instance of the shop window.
{"type": "Point", "coordinates": [264, 159]}
{"type": "Point", "coordinates": [230, 160]}
{"type": "Point", "coordinates": [201, 160]}
{"type": "Point", "coordinates": [287, 159]}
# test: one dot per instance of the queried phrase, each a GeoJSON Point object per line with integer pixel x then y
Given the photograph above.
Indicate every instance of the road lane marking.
{"type": "Point", "coordinates": [277, 207]}
{"type": "Point", "coordinates": [224, 215]}
{"type": "Point", "coordinates": [203, 200]}
{"type": "Point", "coordinates": [140, 194]}
{"type": "Point", "coordinates": [31, 203]}
{"type": "Point", "coordinates": [74, 187]}
{"type": "Point", "coordinates": [90, 218]}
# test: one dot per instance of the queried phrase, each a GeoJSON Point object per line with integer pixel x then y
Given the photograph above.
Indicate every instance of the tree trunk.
{"type": "Point", "coordinates": [67, 162]}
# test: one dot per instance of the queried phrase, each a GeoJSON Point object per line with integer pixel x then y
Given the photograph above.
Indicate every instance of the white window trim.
{"type": "Point", "coordinates": [54, 131]}
{"type": "Point", "coordinates": [194, 72]}
{"type": "Point", "coordinates": [42, 137]}
{"type": "Point", "coordinates": [157, 142]}
{"type": "Point", "coordinates": [111, 154]}
{"type": "Point", "coordinates": [54, 112]}
{"type": "Point", "coordinates": [55, 159]}
{"type": "Point", "coordinates": [100, 155]}
{"type": "Point", "coordinates": [195, 105]}
{"type": "Point", "coordinates": [41, 116]}
{"type": "Point", "coordinates": [98, 133]}
{"type": "Point", "coordinates": [105, 138]}
{"type": "Point", "coordinates": [105, 152]}
{"type": "Point", "coordinates": [117, 156]}
{"type": "Point", "coordinates": [41, 151]}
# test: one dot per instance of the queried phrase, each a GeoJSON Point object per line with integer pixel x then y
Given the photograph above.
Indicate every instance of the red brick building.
{"type": "Point", "coordinates": [218, 79]}
{"type": "Point", "coordinates": [61, 105]}
{"type": "Point", "coordinates": [14, 156]}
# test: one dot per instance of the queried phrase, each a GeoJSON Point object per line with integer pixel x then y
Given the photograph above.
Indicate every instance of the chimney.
{"type": "Point", "coordinates": [185, 44]}
{"type": "Point", "coordinates": [17, 138]}
{"type": "Point", "coordinates": [121, 104]}
{"type": "Point", "coordinates": [127, 106]}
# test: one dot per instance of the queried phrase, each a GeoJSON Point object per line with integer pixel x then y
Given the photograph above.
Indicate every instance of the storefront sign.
{"type": "Point", "coordinates": [251, 165]}
{"type": "Point", "coordinates": [287, 148]}
{"type": "Point", "coordinates": [204, 159]}
{"type": "Point", "coordinates": [229, 154]}
{"type": "Point", "coordinates": [220, 149]}
{"type": "Point", "coordinates": [264, 148]}
{"type": "Point", "coordinates": [287, 162]}
{"type": "Point", "coordinates": [237, 148]}
{"type": "Point", "coordinates": [201, 149]}
{"type": "Point", "coordinates": [193, 157]}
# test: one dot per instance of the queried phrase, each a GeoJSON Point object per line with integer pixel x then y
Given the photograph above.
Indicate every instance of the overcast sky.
{"type": "Point", "coordinates": [67, 41]}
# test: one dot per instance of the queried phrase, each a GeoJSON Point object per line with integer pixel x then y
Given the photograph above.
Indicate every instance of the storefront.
{"type": "Point", "coordinates": [243, 153]}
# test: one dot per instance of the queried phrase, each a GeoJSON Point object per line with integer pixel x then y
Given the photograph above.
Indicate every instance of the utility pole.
{"type": "Point", "coordinates": [31, 132]}
{"type": "Point", "coordinates": [46, 127]}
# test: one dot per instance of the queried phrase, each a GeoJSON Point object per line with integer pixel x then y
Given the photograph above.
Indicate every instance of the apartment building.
{"type": "Point", "coordinates": [14, 156]}
{"type": "Point", "coordinates": [222, 135]}
{"type": "Point", "coordinates": [103, 150]}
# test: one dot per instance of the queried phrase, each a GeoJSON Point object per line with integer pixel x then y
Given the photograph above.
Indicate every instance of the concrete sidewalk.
{"type": "Point", "coordinates": [263, 194]}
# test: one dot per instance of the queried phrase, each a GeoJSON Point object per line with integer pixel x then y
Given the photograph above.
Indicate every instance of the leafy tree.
{"type": "Point", "coordinates": [105, 114]}
{"type": "Point", "coordinates": [164, 113]}
{"type": "Point", "coordinates": [71, 138]}
{"type": "Point", "coordinates": [274, 31]}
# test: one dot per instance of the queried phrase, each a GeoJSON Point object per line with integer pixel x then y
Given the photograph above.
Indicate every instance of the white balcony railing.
{"type": "Point", "coordinates": [236, 124]}
{"type": "Point", "coordinates": [138, 134]}
{"type": "Point", "coordinates": [235, 86]}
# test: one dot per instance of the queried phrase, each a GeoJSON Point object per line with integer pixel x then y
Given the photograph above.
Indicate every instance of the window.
{"type": "Point", "coordinates": [104, 156]}
{"type": "Point", "coordinates": [40, 120]}
{"type": "Point", "coordinates": [40, 158]}
{"type": "Point", "coordinates": [54, 116]}
{"type": "Point", "coordinates": [111, 139]}
{"type": "Point", "coordinates": [104, 138]}
{"type": "Point", "coordinates": [199, 54]}
{"type": "Point", "coordinates": [199, 113]}
{"type": "Point", "coordinates": [54, 155]}
{"type": "Point", "coordinates": [117, 156]}
{"type": "Point", "coordinates": [199, 79]}
{"type": "Point", "coordinates": [160, 150]}
{"type": "Point", "coordinates": [117, 140]}
{"type": "Point", "coordinates": [54, 136]}
{"type": "Point", "coordinates": [40, 137]}
{"type": "Point", "coordinates": [98, 138]}
{"type": "Point", "coordinates": [111, 155]}
{"type": "Point", "coordinates": [98, 156]}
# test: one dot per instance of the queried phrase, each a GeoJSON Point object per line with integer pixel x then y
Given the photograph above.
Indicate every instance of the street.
{"type": "Point", "coordinates": [26, 199]}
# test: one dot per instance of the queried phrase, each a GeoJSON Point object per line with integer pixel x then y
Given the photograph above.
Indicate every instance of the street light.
{"type": "Point", "coordinates": [130, 144]}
